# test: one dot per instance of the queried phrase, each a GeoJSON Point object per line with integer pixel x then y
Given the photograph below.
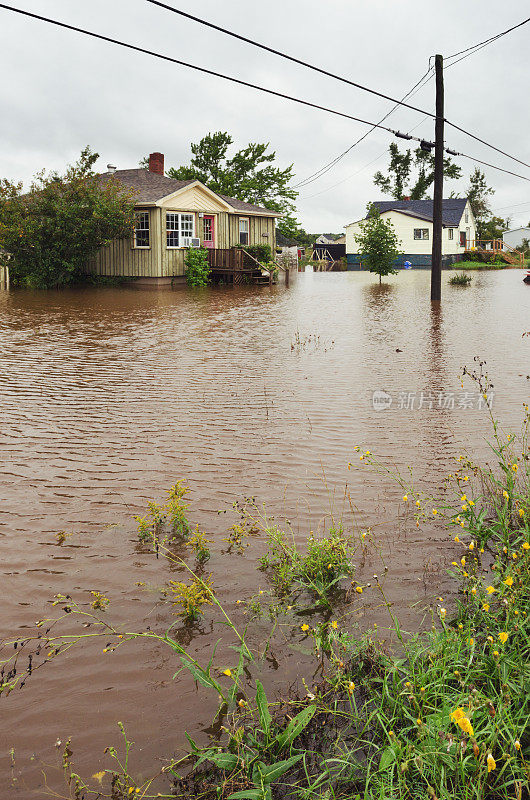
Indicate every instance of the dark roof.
{"type": "Point", "coordinates": [452, 209]}
{"type": "Point", "coordinates": [152, 187]}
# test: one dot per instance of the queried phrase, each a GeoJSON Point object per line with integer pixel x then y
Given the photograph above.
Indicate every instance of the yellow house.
{"type": "Point", "coordinates": [171, 217]}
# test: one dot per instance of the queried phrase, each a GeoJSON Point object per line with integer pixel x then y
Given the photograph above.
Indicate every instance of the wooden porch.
{"type": "Point", "coordinates": [236, 266]}
{"type": "Point", "coordinates": [490, 249]}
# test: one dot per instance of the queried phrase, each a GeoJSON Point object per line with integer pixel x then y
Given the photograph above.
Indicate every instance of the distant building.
{"type": "Point", "coordinates": [515, 237]}
{"type": "Point", "coordinates": [412, 221]}
{"type": "Point", "coordinates": [326, 238]}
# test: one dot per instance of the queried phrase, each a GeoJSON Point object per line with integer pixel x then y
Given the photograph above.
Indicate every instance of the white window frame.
{"type": "Point", "coordinates": [142, 216]}
{"type": "Point", "coordinates": [450, 233]}
{"type": "Point", "coordinates": [421, 234]}
{"type": "Point", "coordinates": [181, 220]}
{"type": "Point", "coordinates": [467, 216]}
{"type": "Point", "coordinates": [247, 231]}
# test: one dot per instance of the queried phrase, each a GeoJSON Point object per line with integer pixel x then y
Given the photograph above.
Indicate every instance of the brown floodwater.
{"type": "Point", "coordinates": [108, 396]}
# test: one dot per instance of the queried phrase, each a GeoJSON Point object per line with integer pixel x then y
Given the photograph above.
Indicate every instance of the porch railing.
{"type": "Point", "coordinates": [496, 247]}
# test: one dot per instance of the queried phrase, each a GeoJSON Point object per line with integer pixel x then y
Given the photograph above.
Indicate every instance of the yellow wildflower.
{"type": "Point", "coordinates": [473, 590]}
{"type": "Point", "coordinates": [490, 639]}
{"type": "Point", "coordinates": [515, 467]}
{"type": "Point", "coordinates": [228, 673]}
{"type": "Point", "coordinates": [491, 763]}
{"type": "Point", "coordinates": [361, 458]}
{"type": "Point", "coordinates": [486, 606]}
{"type": "Point", "coordinates": [471, 503]}
{"type": "Point", "coordinates": [305, 627]}
{"type": "Point", "coordinates": [503, 636]}
{"type": "Point", "coordinates": [517, 744]}
{"type": "Point", "coordinates": [521, 512]}
{"type": "Point", "coordinates": [405, 497]}
{"type": "Point", "coordinates": [471, 642]}
{"type": "Point", "coordinates": [505, 494]}
{"type": "Point", "coordinates": [443, 613]}
{"type": "Point", "coordinates": [434, 512]}
{"type": "Point", "coordinates": [526, 546]}
{"type": "Point", "coordinates": [418, 503]}
{"type": "Point", "coordinates": [351, 687]}
{"type": "Point", "coordinates": [516, 611]}
{"type": "Point", "coordinates": [463, 498]}
{"type": "Point", "coordinates": [359, 589]}
{"type": "Point", "coordinates": [464, 507]}
{"type": "Point", "coordinates": [335, 624]}
{"type": "Point", "coordinates": [508, 581]}
{"type": "Point", "coordinates": [495, 654]}
{"type": "Point", "coordinates": [460, 626]}
{"type": "Point", "coordinates": [457, 539]}
{"type": "Point", "coordinates": [459, 718]}
{"type": "Point", "coordinates": [471, 545]}
{"type": "Point", "coordinates": [490, 589]}
{"type": "Point", "coordinates": [463, 561]}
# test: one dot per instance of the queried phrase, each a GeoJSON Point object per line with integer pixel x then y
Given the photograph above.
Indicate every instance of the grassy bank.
{"type": "Point", "coordinates": [481, 265]}
{"type": "Point", "coordinates": [443, 715]}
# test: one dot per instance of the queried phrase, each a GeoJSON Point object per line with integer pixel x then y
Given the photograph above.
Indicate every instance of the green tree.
{"type": "Point", "coordinates": [248, 175]}
{"type": "Point", "coordinates": [494, 227]}
{"type": "Point", "coordinates": [410, 174]}
{"type": "Point", "coordinates": [477, 193]}
{"type": "Point", "coordinates": [53, 230]}
{"type": "Point", "coordinates": [378, 243]}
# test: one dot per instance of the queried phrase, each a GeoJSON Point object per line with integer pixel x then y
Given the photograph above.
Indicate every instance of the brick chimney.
{"type": "Point", "coordinates": [405, 198]}
{"type": "Point", "coordinates": [156, 163]}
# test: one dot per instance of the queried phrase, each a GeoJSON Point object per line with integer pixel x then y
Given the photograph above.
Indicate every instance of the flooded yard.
{"type": "Point", "coordinates": [109, 396]}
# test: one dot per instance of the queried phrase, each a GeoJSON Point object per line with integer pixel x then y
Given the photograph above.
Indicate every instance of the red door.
{"type": "Point", "coordinates": [208, 237]}
{"type": "Point", "coordinates": [462, 239]}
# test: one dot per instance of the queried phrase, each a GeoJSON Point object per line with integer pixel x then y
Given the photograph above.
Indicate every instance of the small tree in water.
{"type": "Point", "coordinates": [378, 243]}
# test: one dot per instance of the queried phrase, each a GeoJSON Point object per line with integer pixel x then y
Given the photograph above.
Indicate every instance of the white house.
{"type": "Point", "coordinates": [412, 221]}
{"type": "Point", "coordinates": [514, 237]}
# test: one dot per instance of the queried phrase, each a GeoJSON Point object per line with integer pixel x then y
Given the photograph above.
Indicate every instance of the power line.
{"type": "Point", "coordinates": [515, 205]}
{"type": "Point", "coordinates": [486, 163]}
{"type": "Point", "coordinates": [203, 70]}
{"type": "Point", "coordinates": [339, 77]}
{"type": "Point", "coordinates": [357, 172]}
{"type": "Point", "coordinates": [323, 170]}
{"type": "Point", "coordinates": [240, 82]}
{"type": "Point", "coordinates": [490, 40]}
{"type": "Point", "coordinates": [478, 139]}
{"type": "Point", "coordinates": [284, 55]}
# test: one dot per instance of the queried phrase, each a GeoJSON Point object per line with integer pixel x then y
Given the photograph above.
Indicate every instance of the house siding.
{"type": "Point", "coordinates": [121, 258]}
{"type": "Point", "coordinates": [417, 251]}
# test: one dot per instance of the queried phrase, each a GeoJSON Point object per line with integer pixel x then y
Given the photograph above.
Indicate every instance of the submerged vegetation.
{"type": "Point", "coordinates": [444, 715]}
{"type": "Point", "coordinates": [460, 279]}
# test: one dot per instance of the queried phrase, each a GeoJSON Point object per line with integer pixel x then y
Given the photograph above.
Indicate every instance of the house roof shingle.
{"type": "Point", "coordinates": [452, 209]}
{"type": "Point", "coordinates": [152, 187]}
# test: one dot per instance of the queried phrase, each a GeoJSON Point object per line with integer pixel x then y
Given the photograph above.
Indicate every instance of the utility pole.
{"type": "Point", "coordinates": [436, 263]}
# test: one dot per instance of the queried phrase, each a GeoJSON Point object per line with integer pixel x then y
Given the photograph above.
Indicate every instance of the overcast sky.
{"type": "Point", "coordinates": [60, 90]}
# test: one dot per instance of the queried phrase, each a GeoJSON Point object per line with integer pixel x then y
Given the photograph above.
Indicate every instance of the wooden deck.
{"type": "Point", "coordinates": [234, 265]}
{"type": "Point", "coordinates": [490, 249]}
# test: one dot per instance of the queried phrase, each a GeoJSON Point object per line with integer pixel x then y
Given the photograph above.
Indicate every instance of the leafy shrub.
{"type": "Point", "coordinates": [54, 229]}
{"type": "Point", "coordinates": [261, 252]}
{"type": "Point", "coordinates": [197, 267]}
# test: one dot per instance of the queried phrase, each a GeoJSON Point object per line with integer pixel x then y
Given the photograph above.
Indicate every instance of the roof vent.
{"type": "Point", "coordinates": [111, 169]}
